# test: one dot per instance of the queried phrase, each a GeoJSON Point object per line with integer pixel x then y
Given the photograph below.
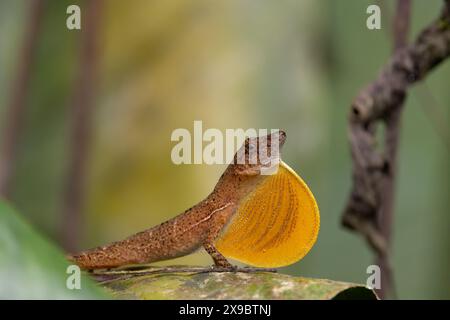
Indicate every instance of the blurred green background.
{"type": "Point", "coordinates": [294, 65]}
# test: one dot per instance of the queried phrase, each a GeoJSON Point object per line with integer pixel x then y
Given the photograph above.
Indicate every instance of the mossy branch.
{"type": "Point", "coordinates": [202, 283]}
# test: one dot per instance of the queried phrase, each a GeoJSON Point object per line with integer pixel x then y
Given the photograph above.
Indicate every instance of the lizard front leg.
{"type": "Point", "coordinates": [219, 260]}
{"type": "Point", "coordinates": [218, 221]}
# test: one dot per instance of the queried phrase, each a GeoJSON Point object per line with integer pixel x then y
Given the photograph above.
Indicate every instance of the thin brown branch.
{"type": "Point", "coordinates": [401, 23]}
{"type": "Point", "coordinates": [122, 274]}
{"type": "Point", "coordinates": [425, 97]}
{"type": "Point", "coordinates": [387, 185]}
{"type": "Point", "coordinates": [81, 112]}
{"type": "Point", "coordinates": [369, 209]}
{"type": "Point", "coordinates": [19, 93]}
{"type": "Point", "coordinates": [427, 101]}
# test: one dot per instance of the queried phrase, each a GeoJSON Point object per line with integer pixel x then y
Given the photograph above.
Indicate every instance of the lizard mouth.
{"type": "Point", "coordinates": [271, 161]}
{"type": "Point", "coordinates": [263, 150]}
{"type": "Point", "coordinates": [271, 148]}
{"type": "Point", "coordinates": [281, 137]}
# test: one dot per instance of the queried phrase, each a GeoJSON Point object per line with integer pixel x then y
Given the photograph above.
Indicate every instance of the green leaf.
{"type": "Point", "coordinates": [156, 283]}
{"type": "Point", "coordinates": [33, 268]}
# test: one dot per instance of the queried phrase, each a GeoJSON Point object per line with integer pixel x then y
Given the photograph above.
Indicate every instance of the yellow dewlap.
{"type": "Point", "coordinates": [274, 226]}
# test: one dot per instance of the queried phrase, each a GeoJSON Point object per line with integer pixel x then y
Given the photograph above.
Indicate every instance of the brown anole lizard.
{"type": "Point", "coordinates": [198, 226]}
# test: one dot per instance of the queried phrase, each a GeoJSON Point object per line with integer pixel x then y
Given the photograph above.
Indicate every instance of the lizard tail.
{"type": "Point", "coordinates": [101, 258]}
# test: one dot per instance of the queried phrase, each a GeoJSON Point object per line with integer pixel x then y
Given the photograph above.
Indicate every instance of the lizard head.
{"type": "Point", "coordinates": [259, 155]}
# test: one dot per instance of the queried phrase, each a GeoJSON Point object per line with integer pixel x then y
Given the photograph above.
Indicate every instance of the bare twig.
{"type": "Point", "coordinates": [428, 103]}
{"type": "Point", "coordinates": [81, 118]}
{"type": "Point", "coordinates": [108, 275]}
{"type": "Point", "coordinates": [16, 109]}
{"type": "Point", "coordinates": [392, 132]}
{"type": "Point", "coordinates": [369, 209]}
{"type": "Point", "coordinates": [401, 23]}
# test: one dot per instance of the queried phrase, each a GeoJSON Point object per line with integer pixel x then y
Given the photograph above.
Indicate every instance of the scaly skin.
{"type": "Point", "coordinates": [196, 227]}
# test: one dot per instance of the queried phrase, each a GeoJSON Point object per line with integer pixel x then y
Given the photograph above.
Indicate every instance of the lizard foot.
{"type": "Point", "coordinates": [228, 267]}
{"type": "Point", "coordinates": [220, 262]}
